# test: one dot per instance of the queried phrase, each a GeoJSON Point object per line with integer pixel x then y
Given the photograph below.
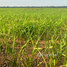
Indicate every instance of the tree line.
{"type": "Point", "coordinates": [33, 6]}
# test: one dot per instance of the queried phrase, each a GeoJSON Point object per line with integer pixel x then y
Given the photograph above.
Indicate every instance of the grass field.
{"type": "Point", "coordinates": [33, 37]}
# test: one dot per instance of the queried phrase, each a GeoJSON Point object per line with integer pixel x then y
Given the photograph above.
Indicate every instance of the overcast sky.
{"type": "Point", "coordinates": [33, 2]}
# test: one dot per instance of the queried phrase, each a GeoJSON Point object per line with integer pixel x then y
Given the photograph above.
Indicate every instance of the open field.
{"type": "Point", "coordinates": [33, 37]}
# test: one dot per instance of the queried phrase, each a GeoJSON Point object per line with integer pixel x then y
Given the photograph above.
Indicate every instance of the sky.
{"type": "Point", "coordinates": [33, 2]}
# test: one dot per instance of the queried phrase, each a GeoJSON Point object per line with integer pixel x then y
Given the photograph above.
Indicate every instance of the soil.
{"type": "Point", "coordinates": [29, 51]}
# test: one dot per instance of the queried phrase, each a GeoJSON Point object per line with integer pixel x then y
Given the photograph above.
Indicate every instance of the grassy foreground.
{"type": "Point", "coordinates": [33, 37]}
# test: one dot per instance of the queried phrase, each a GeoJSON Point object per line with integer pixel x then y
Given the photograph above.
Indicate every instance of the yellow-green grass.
{"type": "Point", "coordinates": [25, 28]}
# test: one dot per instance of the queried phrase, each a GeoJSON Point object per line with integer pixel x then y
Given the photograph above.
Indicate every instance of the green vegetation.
{"type": "Point", "coordinates": [27, 33]}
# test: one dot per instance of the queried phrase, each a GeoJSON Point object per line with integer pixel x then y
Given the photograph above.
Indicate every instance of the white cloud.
{"type": "Point", "coordinates": [32, 2]}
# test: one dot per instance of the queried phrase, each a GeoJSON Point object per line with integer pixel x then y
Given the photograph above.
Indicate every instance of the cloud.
{"type": "Point", "coordinates": [32, 2]}
{"type": "Point", "coordinates": [15, 2]}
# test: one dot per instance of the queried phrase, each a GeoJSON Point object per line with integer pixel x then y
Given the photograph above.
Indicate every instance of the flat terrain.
{"type": "Point", "coordinates": [33, 37]}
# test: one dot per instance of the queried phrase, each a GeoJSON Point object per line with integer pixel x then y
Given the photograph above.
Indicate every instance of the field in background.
{"type": "Point", "coordinates": [33, 37]}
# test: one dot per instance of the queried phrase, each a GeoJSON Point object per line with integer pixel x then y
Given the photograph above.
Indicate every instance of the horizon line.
{"type": "Point", "coordinates": [31, 6]}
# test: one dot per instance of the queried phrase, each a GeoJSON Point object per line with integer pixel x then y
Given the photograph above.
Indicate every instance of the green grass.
{"type": "Point", "coordinates": [22, 26]}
